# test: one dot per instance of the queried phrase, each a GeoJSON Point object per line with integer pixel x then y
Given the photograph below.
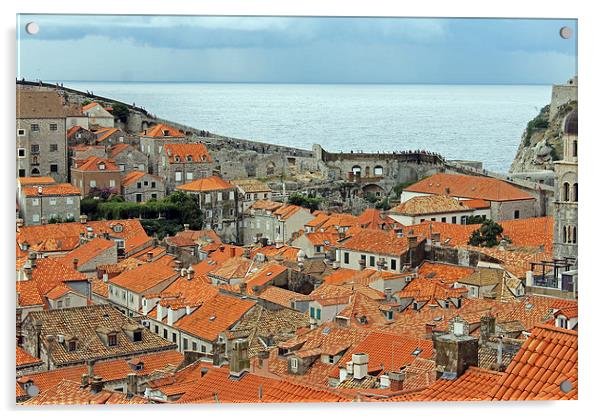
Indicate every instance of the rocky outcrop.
{"type": "Point", "coordinates": [541, 143]}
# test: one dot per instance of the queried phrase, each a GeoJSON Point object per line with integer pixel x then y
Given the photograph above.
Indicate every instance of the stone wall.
{"type": "Point", "coordinates": [562, 94]}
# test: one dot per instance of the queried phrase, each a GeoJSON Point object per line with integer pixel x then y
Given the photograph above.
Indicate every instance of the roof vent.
{"type": "Point", "coordinates": [417, 352]}
{"type": "Point", "coordinates": [212, 318]}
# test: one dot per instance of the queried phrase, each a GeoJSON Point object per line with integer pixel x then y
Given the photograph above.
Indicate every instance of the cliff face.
{"type": "Point", "coordinates": [541, 143]}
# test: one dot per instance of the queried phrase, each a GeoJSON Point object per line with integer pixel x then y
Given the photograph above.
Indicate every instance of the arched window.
{"type": "Point", "coordinates": [564, 234]}
{"type": "Point", "coordinates": [177, 158]}
{"type": "Point", "coordinates": [570, 235]}
{"type": "Point", "coordinates": [356, 170]}
{"type": "Point", "coordinates": [378, 171]}
{"type": "Point", "coordinates": [35, 171]}
{"type": "Point", "coordinates": [575, 196]}
{"type": "Point", "coordinates": [575, 234]}
{"type": "Point", "coordinates": [565, 191]}
{"type": "Point", "coordinates": [189, 158]}
{"type": "Point", "coordinates": [574, 148]}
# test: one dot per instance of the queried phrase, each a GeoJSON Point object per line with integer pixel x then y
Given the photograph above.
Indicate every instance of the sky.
{"type": "Point", "coordinates": [295, 49]}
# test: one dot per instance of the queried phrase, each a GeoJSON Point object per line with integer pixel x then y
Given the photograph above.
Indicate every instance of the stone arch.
{"type": "Point", "coordinates": [145, 125]}
{"type": "Point", "coordinates": [375, 189]}
{"type": "Point", "coordinates": [35, 171]}
{"type": "Point", "coordinates": [270, 168]}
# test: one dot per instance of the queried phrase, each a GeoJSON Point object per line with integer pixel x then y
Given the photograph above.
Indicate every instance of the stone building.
{"type": "Point", "coordinates": [110, 136]}
{"type": "Point", "coordinates": [153, 139]}
{"type": "Point", "coordinates": [566, 193]}
{"type": "Point", "coordinates": [274, 221]}
{"type": "Point", "coordinates": [184, 163]}
{"type": "Point", "coordinates": [96, 173]}
{"type": "Point", "coordinates": [563, 94]}
{"type": "Point", "coordinates": [218, 200]}
{"type": "Point", "coordinates": [506, 201]}
{"type": "Point", "coordinates": [79, 135]}
{"type": "Point", "coordinates": [42, 134]}
{"type": "Point", "coordinates": [142, 187]}
{"type": "Point", "coordinates": [42, 204]}
{"type": "Point", "coordinates": [72, 336]}
{"type": "Point", "coordinates": [128, 158]}
{"type": "Point", "coordinates": [252, 190]}
{"type": "Point", "coordinates": [98, 116]}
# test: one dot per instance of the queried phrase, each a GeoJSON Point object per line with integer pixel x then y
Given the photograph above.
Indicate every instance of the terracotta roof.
{"type": "Point", "coordinates": [214, 316]}
{"type": "Point", "coordinates": [263, 275]}
{"type": "Point", "coordinates": [73, 130]}
{"type": "Point", "coordinates": [159, 131]}
{"type": "Point", "coordinates": [251, 185]}
{"type": "Point", "coordinates": [117, 149]}
{"type": "Point", "coordinates": [146, 276]}
{"type": "Point", "coordinates": [476, 203]}
{"type": "Point", "coordinates": [464, 186]}
{"type": "Point", "coordinates": [89, 250]}
{"type": "Point", "coordinates": [266, 205]}
{"type": "Point", "coordinates": [363, 311]}
{"type": "Point", "coordinates": [70, 392]}
{"type": "Point", "coordinates": [387, 352]}
{"type": "Point", "coordinates": [473, 385]}
{"type": "Point", "coordinates": [59, 291]}
{"type": "Point", "coordinates": [109, 370]}
{"type": "Point", "coordinates": [232, 268]}
{"type": "Point", "coordinates": [29, 294]}
{"type": "Point", "coordinates": [287, 211]}
{"type": "Point", "coordinates": [549, 354]}
{"type": "Point", "coordinates": [281, 296]}
{"type": "Point", "coordinates": [371, 218]}
{"type": "Point", "coordinates": [83, 323]}
{"type": "Point", "coordinates": [376, 241]}
{"type": "Point", "coordinates": [216, 386]}
{"type": "Point", "coordinates": [186, 292]}
{"type": "Point", "coordinates": [135, 176]}
{"type": "Point", "coordinates": [24, 359]}
{"type": "Point", "coordinates": [272, 252]}
{"type": "Point", "coordinates": [94, 164]}
{"type": "Point", "coordinates": [323, 239]}
{"type": "Point", "coordinates": [104, 133]}
{"type": "Point", "coordinates": [89, 106]}
{"type": "Point", "coordinates": [430, 204]}
{"type": "Point", "coordinates": [212, 183]}
{"type": "Point", "coordinates": [39, 180]}
{"type": "Point", "coordinates": [66, 236]}
{"type": "Point", "coordinates": [46, 275]}
{"type": "Point", "coordinates": [423, 289]}
{"type": "Point", "coordinates": [187, 153]}
{"type": "Point", "coordinates": [60, 189]}
{"type": "Point", "coordinates": [189, 238]}
{"type": "Point", "coordinates": [444, 272]}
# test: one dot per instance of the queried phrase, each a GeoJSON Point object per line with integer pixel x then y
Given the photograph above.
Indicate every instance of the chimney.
{"type": "Point", "coordinates": [385, 382]}
{"type": "Point", "coordinates": [239, 360]}
{"type": "Point", "coordinates": [96, 384]}
{"type": "Point", "coordinates": [132, 385]}
{"type": "Point", "coordinates": [396, 379]}
{"type": "Point", "coordinates": [412, 242]}
{"type": "Point", "coordinates": [43, 221]}
{"type": "Point", "coordinates": [264, 357]}
{"type": "Point", "coordinates": [178, 265]}
{"type": "Point", "coordinates": [455, 350]}
{"type": "Point", "coordinates": [83, 219]}
{"type": "Point", "coordinates": [447, 191]}
{"type": "Point", "coordinates": [186, 227]}
{"type": "Point", "coordinates": [75, 263]}
{"type": "Point", "coordinates": [90, 364]}
{"type": "Point", "coordinates": [388, 293]}
{"type": "Point", "coordinates": [243, 287]}
{"type": "Point", "coordinates": [190, 273]}
{"type": "Point", "coordinates": [49, 348]}
{"type": "Point", "coordinates": [436, 238]}
{"type": "Point", "coordinates": [105, 278]}
{"type": "Point", "coordinates": [529, 278]}
{"type": "Point", "coordinates": [342, 373]}
{"type": "Point", "coordinates": [149, 256]}
{"type": "Point", "coordinates": [37, 327]}
{"type": "Point", "coordinates": [487, 329]}
{"type": "Point", "coordinates": [360, 365]}
{"type": "Point", "coordinates": [312, 323]}
{"type": "Point", "coordinates": [19, 223]}
{"type": "Point", "coordinates": [85, 380]}
{"type": "Point", "coordinates": [232, 251]}
{"type": "Point", "coordinates": [428, 330]}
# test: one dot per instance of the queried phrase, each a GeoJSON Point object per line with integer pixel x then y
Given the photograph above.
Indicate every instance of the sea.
{"type": "Point", "coordinates": [468, 122]}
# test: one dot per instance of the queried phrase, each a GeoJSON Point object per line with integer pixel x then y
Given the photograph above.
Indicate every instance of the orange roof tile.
{"type": "Point", "coordinates": [131, 177]}
{"type": "Point", "coordinates": [187, 153]}
{"type": "Point", "coordinates": [89, 250]}
{"type": "Point", "coordinates": [70, 392]}
{"type": "Point", "coordinates": [61, 189]}
{"type": "Point", "coordinates": [39, 180]}
{"type": "Point", "coordinates": [549, 354]}
{"type": "Point", "coordinates": [103, 134]}
{"type": "Point", "coordinates": [376, 241]}
{"type": "Point", "coordinates": [96, 164]}
{"type": "Point", "coordinates": [465, 186]}
{"type": "Point", "coordinates": [212, 183]}
{"type": "Point", "coordinates": [24, 359]}
{"type": "Point", "coordinates": [445, 272]}
{"type": "Point", "coordinates": [423, 289]}
{"type": "Point", "coordinates": [214, 316]}
{"type": "Point", "coordinates": [281, 296]}
{"type": "Point", "coordinates": [89, 106]}
{"type": "Point", "coordinates": [146, 276]}
{"type": "Point", "coordinates": [29, 294]}
{"type": "Point", "coordinates": [163, 130]}
{"type": "Point", "coordinates": [371, 218]}
{"type": "Point", "coordinates": [430, 204]}
{"type": "Point", "coordinates": [264, 275]}
{"type": "Point", "coordinates": [118, 149]}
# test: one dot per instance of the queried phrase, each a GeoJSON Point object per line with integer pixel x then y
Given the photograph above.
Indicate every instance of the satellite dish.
{"type": "Point", "coordinates": [33, 390]}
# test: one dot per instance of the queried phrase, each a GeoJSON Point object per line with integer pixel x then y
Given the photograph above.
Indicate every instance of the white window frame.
{"type": "Point", "coordinates": [92, 183]}
{"type": "Point", "coordinates": [21, 132]}
{"type": "Point", "coordinates": [178, 176]}
{"type": "Point", "coordinates": [24, 152]}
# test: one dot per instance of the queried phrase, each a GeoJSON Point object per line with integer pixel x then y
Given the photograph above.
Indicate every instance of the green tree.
{"type": "Point", "coordinates": [312, 203]}
{"type": "Point", "coordinates": [121, 111]}
{"type": "Point", "coordinates": [475, 219]}
{"type": "Point", "coordinates": [487, 235]}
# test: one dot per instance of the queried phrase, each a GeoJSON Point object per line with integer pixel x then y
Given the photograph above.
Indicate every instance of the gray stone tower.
{"type": "Point", "coordinates": [565, 194]}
